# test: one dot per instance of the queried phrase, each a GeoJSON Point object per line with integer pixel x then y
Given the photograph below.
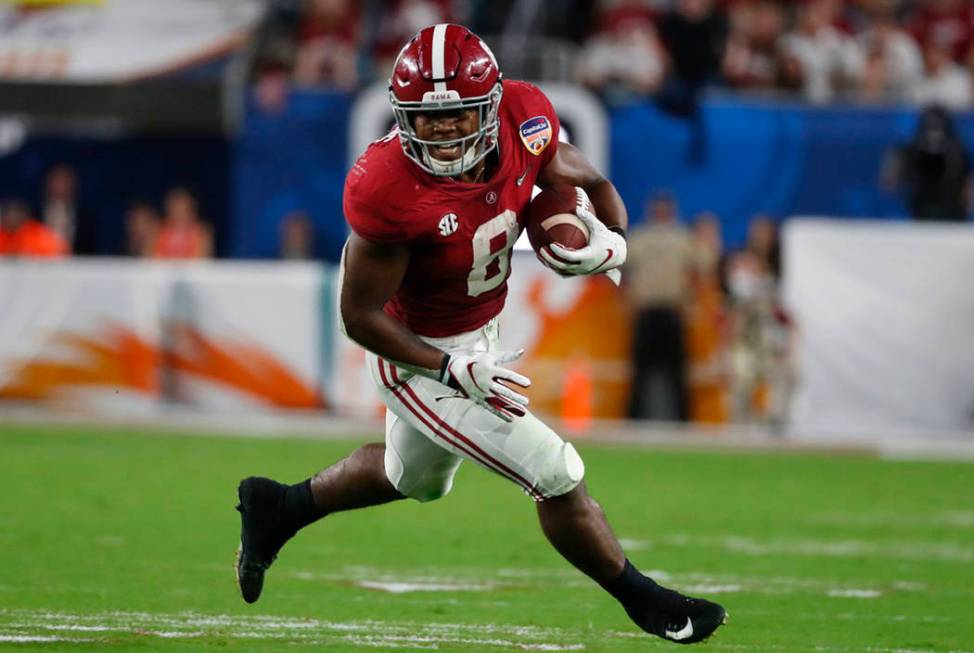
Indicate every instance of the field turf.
{"type": "Point", "coordinates": [114, 541]}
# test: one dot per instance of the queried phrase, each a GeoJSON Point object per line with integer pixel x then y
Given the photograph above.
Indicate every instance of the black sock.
{"type": "Point", "coordinates": [299, 505]}
{"type": "Point", "coordinates": [631, 587]}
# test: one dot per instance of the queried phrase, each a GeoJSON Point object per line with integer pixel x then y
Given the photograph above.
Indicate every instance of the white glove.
{"type": "Point", "coordinates": [478, 376]}
{"type": "Point", "coordinates": [606, 250]}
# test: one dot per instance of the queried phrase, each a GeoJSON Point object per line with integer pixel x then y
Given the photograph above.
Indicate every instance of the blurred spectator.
{"type": "Point", "coordinates": [934, 170]}
{"type": "Point", "coordinates": [762, 375]}
{"type": "Point", "coordinates": [695, 34]}
{"type": "Point", "coordinates": [21, 235]}
{"type": "Point", "coordinates": [623, 60]}
{"type": "Point", "coordinates": [613, 12]}
{"type": "Point", "coordinates": [141, 229]}
{"type": "Point", "coordinates": [569, 19]}
{"type": "Point", "coordinates": [328, 41]}
{"type": "Point", "coordinates": [892, 62]}
{"type": "Point", "coordinates": [943, 82]}
{"type": "Point", "coordinates": [706, 376]}
{"type": "Point", "coordinates": [763, 244]}
{"type": "Point", "coordinates": [271, 93]}
{"type": "Point", "coordinates": [183, 234]}
{"type": "Point", "coordinates": [275, 43]}
{"type": "Point", "coordinates": [817, 58]}
{"type": "Point", "coordinates": [399, 21]}
{"type": "Point", "coordinates": [657, 284]}
{"type": "Point", "coordinates": [297, 236]}
{"type": "Point", "coordinates": [752, 60]}
{"type": "Point", "coordinates": [61, 211]}
{"type": "Point", "coordinates": [947, 24]}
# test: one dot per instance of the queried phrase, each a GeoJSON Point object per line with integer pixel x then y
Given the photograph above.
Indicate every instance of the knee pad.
{"type": "Point", "coordinates": [561, 472]}
{"type": "Point", "coordinates": [430, 489]}
{"type": "Point", "coordinates": [433, 482]}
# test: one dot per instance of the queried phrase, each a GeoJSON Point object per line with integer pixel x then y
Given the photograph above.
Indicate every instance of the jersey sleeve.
{"type": "Point", "coordinates": [365, 211]}
{"type": "Point", "coordinates": [549, 110]}
{"type": "Point", "coordinates": [538, 124]}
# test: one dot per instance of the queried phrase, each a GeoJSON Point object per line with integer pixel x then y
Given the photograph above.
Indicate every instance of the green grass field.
{"type": "Point", "coordinates": [123, 542]}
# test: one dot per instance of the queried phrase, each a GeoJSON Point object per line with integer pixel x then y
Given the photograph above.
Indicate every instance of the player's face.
{"type": "Point", "coordinates": [447, 125]}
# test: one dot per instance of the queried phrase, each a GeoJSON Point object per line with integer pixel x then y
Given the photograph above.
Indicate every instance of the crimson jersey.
{"type": "Point", "coordinates": [459, 234]}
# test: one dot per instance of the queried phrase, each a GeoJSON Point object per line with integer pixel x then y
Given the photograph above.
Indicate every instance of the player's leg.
{"type": "Point", "coordinates": [529, 453]}
{"type": "Point", "coordinates": [534, 458]}
{"type": "Point", "coordinates": [407, 465]}
{"type": "Point", "coordinates": [358, 481]}
{"type": "Point", "coordinates": [576, 526]}
{"type": "Point", "coordinates": [416, 466]}
{"type": "Point", "coordinates": [272, 512]}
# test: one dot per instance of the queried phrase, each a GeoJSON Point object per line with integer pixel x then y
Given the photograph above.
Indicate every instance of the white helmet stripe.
{"type": "Point", "coordinates": [439, 45]}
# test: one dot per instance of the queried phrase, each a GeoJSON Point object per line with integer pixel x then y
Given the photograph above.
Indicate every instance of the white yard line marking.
{"type": "Point", "coordinates": [854, 593]}
{"type": "Point", "coordinates": [76, 627]}
{"type": "Point", "coordinates": [420, 641]}
{"type": "Point", "coordinates": [470, 580]}
{"type": "Point", "coordinates": [28, 639]}
{"type": "Point", "coordinates": [633, 544]}
{"type": "Point", "coordinates": [941, 551]}
{"type": "Point", "coordinates": [405, 587]}
{"type": "Point", "coordinates": [373, 634]}
{"type": "Point", "coordinates": [961, 519]}
{"type": "Point", "coordinates": [705, 588]}
{"type": "Point", "coordinates": [364, 633]}
{"type": "Point", "coordinates": [751, 648]}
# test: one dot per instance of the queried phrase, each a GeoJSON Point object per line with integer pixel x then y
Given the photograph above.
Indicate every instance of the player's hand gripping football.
{"type": "Point", "coordinates": [606, 250]}
{"type": "Point", "coordinates": [480, 377]}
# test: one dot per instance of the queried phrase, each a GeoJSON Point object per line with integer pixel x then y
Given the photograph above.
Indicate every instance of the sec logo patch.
{"type": "Point", "coordinates": [535, 134]}
{"type": "Point", "coordinates": [448, 224]}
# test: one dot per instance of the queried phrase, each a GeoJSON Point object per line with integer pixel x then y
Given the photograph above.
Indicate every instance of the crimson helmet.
{"type": "Point", "coordinates": [446, 67]}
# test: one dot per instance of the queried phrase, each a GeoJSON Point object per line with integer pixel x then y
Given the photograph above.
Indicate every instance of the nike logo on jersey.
{"type": "Point", "coordinates": [520, 180]}
{"type": "Point", "coordinates": [683, 633]}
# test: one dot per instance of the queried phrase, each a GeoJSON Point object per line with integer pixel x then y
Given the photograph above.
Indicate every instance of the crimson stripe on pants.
{"type": "Point", "coordinates": [496, 467]}
{"type": "Point", "coordinates": [494, 462]}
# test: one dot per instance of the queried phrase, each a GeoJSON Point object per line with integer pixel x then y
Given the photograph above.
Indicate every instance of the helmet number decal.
{"type": "Point", "coordinates": [492, 243]}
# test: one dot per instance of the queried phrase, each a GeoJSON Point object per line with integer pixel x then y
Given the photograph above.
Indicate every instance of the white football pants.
{"type": "Point", "coordinates": [431, 429]}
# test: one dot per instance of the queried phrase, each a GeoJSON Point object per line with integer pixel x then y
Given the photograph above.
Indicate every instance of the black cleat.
{"type": "Point", "coordinates": [678, 618]}
{"type": "Point", "coordinates": [262, 532]}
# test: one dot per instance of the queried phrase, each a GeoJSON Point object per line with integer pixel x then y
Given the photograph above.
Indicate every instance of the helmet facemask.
{"type": "Point", "coordinates": [473, 147]}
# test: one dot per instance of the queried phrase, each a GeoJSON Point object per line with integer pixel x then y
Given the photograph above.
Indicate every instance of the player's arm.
{"type": "Point", "coordinates": [606, 249]}
{"type": "Point", "coordinates": [569, 167]}
{"type": "Point", "coordinates": [371, 276]}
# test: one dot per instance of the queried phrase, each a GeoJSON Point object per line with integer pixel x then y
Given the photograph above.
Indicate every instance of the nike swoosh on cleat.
{"type": "Point", "coordinates": [684, 633]}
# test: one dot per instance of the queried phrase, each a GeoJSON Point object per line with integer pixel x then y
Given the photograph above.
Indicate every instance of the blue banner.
{"type": "Point", "coordinates": [739, 158]}
{"type": "Point", "coordinates": [288, 160]}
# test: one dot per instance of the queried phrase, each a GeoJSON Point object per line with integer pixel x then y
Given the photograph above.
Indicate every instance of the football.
{"type": "Point", "coordinates": [550, 218]}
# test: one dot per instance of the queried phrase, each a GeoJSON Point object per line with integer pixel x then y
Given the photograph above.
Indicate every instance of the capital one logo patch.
{"type": "Point", "coordinates": [449, 224]}
{"type": "Point", "coordinates": [535, 134]}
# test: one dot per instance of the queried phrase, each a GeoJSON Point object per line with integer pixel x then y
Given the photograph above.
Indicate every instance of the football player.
{"type": "Point", "coordinates": [434, 210]}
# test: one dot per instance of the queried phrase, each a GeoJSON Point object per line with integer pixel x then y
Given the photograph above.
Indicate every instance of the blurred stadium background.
{"type": "Point", "coordinates": [800, 235]}
{"type": "Point", "coordinates": [798, 180]}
